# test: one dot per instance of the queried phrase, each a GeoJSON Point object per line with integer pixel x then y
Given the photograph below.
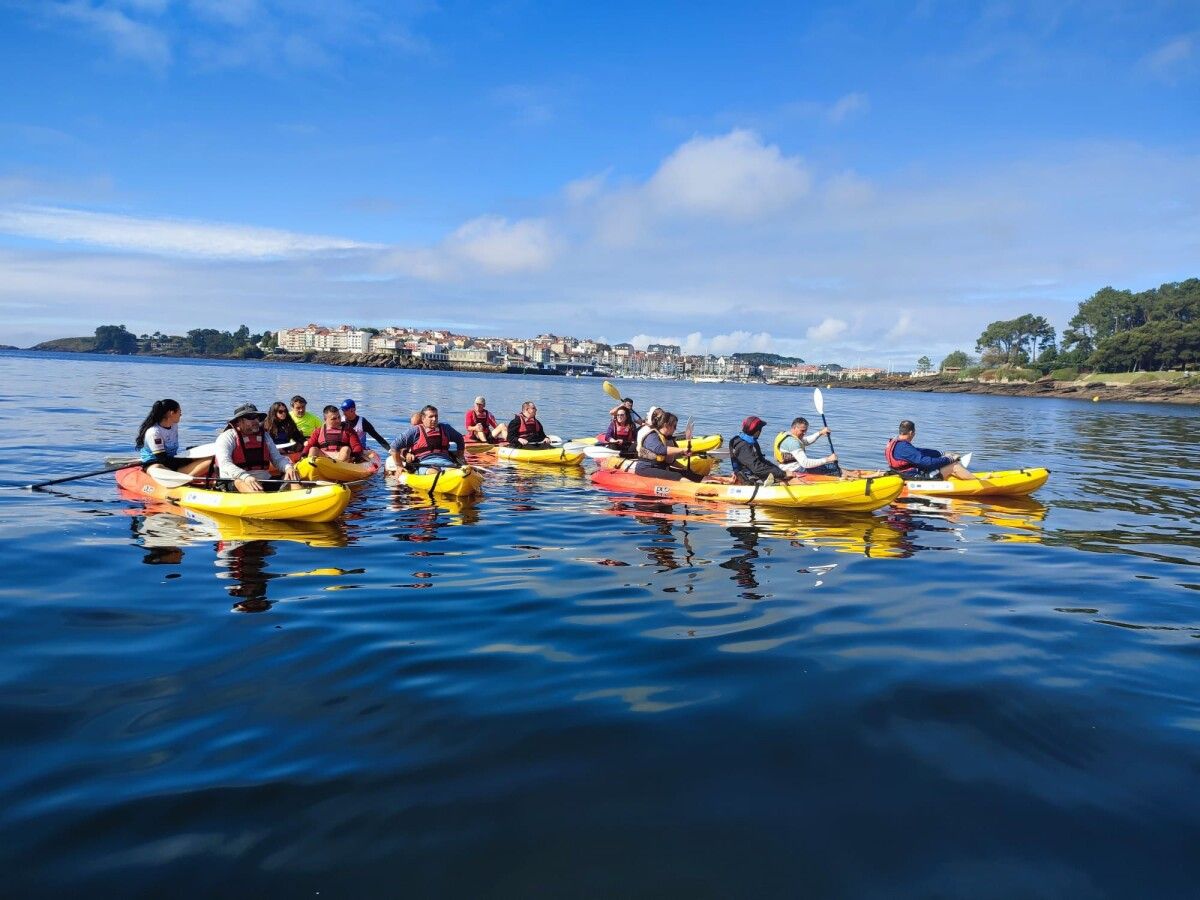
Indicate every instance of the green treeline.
{"type": "Point", "coordinates": [201, 341]}
{"type": "Point", "coordinates": [1113, 331]}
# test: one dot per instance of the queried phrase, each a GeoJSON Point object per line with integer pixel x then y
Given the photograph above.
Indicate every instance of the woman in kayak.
{"type": "Point", "coordinates": [658, 450]}
{"type": "Point", "coordinates": [158, 440]}
{"type": "Point", "coordinates": [622, 433]}
{"type": "Point", "coordinates": [917, 463]}
{"type": "Point", "coordinates": [282, 429]}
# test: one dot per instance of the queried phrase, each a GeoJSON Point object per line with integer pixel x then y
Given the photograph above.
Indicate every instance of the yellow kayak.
{"type": "Point", "coordinates": [1010, 483]}
{"type": "Point", "coordinates": [856, 494]}
{"type": "Point", "coordinates": [459, 481]}
{"type": "Point", "coordinates": [700, 465]}
{"type": "Point", "coordinates": [315, 503]}
{"type": "Point", "coordinates": [325, 469]}
{"type": "Point", "coordinates": [547, 456]}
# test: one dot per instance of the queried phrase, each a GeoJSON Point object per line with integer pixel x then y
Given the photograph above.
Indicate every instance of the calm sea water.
{"type": "Point", "coordinates": [555, 692]}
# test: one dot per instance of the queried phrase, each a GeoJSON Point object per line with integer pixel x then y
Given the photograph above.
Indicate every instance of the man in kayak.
{"type": "Point", "coordinates": [335, 439]}
{"type": "Point", "coordinates": [795, 460]}
{"type": "Point", "coordinates": [481, 425]}
{"type": "Point", "coordinates": [305, 421]}
{"type": "Point", "coordinates": [429, 445]}
{"type": "Point", "coordinates": [658, 451]}
{"type": "Point", "coordinates": [916, 463]}
{"type": "Point", "coordinates": [362, 427]}
{"type": "Point", "coordinates": [746, 456]}
{"type": "Point", "coordinates": [245, 454]}
{"type": "Point", "coordinates": [525, 430]}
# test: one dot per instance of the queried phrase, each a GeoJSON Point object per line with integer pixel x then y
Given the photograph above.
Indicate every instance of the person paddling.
{"type": "Point", "coordinates": [916, 463]}
{"type": "Point", "coordinates": [362, 427]}
{"type": "Point", "coordinates": [658, 450]}
{"type": "Point", "coordinates": [158, 440]}
{"type": "Point", "coordinates": [429, 445]}
{"type": "Point", "coordinates": [795, 460]}
{"type": "Point", "coordinates": [305, 421]}
{"type": "Point", "coordinates": [746, 456]}
{"type": "Point", "coordinates": [525, 430]}
{"type": "Point", "coordinates": [245, 454]}
{"type": "Point", "coordinates": [481, 425]}
{"type": "Point", "coordinates": [335, 439]}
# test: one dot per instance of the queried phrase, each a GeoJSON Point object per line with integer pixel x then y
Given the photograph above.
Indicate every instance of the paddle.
{"type": "Point", "coordinates": [105, 471]}
{"type": "Point", "coordinates": [819, 403]}
{"type": "Point", "coordinates": [611, 390]}
{"type": "Point", "coordinates": [965, 459]}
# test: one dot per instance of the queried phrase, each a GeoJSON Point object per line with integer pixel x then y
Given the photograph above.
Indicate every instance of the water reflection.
{"type": "Point", "coordinates": [242, 546]}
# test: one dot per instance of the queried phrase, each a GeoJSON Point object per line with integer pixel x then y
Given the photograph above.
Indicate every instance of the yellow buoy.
{"type": "Point", "coordinates": [828, 387]}
{"type": "Point", "coordinates": [1096, 399]}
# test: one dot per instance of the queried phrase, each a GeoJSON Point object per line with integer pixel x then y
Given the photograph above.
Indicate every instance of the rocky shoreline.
{"type": "Point", "coordinates": [1094, 389]}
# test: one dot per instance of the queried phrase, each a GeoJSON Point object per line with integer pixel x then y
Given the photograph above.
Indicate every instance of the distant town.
{"type": "Point", "coordinates": [554, 354]}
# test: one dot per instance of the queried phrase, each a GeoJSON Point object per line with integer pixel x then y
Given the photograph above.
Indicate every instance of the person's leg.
{"type": "Point", "coordinates": [196, 467]}
{"type": "Point", "coordinates": [957, 470]}
{"type": "Point", "coordinates": [500, 432]}
{"type": "Point", "coordinates": [342, 454]}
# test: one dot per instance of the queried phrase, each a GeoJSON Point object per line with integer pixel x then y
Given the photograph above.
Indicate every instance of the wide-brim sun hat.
{"type": "Point", "coordinates": [247, 411]}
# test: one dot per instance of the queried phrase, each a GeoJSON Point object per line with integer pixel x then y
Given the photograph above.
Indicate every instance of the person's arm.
{"type": "Point", "coordinates": [610, 433]}
{"type": "Point", "coordinates": [809, 439]}
{"type": "Point", "coordinates": [399, 447]}
{"type": "Point", "coordinates": [369, 430]}
{"type": "Point", "coordinates": [356, 447]}
{"type": "Point", "coordinates": [282, 464]}
{"type": "Point", "coordinates": [922, 459]}
{"type": "Point", "coordinates": [226, 467]}
{"type": "Point", "coordinates": [635, 417]}
{"type": "Point", "coordinates": [459, 441]}
{"type": "Point", "coordinates": [514, 432]}
{"type": "Point", "coordinates": [309, 443]}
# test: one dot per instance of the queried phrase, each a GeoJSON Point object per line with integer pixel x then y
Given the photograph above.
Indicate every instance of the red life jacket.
{"type": "Point", "coordinates": [624, 434]}
{"type": "Point", "coordinates": [250, 452]}
{"type": "Point", "coordinates": [531, 430]}
{"type": "Point", "coordinates": [332, 438]}
{"type": "Point", "coordinates": [434, 443]}
{"type": "Point", "coordinates": [900, 465]}
{"type": "Point", "coordinates": [474, 417]}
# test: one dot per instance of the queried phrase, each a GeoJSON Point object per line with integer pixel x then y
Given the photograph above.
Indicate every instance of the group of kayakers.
{"type": "Point", "coordinates": [253, 444]}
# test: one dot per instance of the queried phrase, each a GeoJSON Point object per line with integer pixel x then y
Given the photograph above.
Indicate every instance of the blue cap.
{"type": "Point", "coordinates": [347, 403]}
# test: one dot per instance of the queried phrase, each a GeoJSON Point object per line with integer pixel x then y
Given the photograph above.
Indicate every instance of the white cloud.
{"type": "Point", "coordinates": [847, 106]}
{"type": "Point", "coordinates": [734, 176]}
{"type": "Point", "coordinates": [172, 237]}
{"type": "Point", "coordinates": [130, 38]}
{"type": "Point", "coordinates": [829, 329]}
{"type": "Point", "coordinates": [581, 190]}
{"type": "Point", "coordinates": [1170, 60]}
{"type": "Point", "coordinates": [497, 245]}
{"type": "Point", "coordinates": [902, 328]}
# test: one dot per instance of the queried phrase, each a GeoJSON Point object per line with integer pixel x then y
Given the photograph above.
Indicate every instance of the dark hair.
{"type": "Point", "coordinates": [331, 409]}
{"type": "Point", "coordinates": [656, 418]}
{"type": "Point", "coordinates": [800, 420]}
{"type": "Point", "coordinates": [426, 408]}
{"type": "Point", "coordinates": [628, 400]}
{"type": "Point", "coordinates": [666, 419]}
{"type": "Point", "coordinates": [299, 399]}
{"type": "Point", "coordinates": [157, 413]}
{"type": "Point", "coordinates": [907, 426]}
{"type": "Point", "coordinates": [619, 410]}
{"type": "Point", "coordinates": [286, 428]}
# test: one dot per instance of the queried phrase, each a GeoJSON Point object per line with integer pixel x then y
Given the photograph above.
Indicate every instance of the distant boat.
{"type": "Point", "coordinates": [707, 379]}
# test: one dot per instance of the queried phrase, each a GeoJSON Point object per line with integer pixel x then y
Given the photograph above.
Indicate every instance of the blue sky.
{"type": "Point", "coordinates": [859, 182]}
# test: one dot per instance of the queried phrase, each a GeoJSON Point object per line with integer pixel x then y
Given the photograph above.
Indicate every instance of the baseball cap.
{"type": "Point", "coordinates": [751, 424]}
{"type": "Point", "coordinates": [347, 403]}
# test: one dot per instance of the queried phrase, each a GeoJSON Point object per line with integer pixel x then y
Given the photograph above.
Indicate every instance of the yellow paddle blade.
{"type": "Point", "coordinates": [611, 390]}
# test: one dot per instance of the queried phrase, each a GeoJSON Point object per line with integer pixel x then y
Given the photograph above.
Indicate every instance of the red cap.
{"type": "Point", "coordinates": [751, 424]}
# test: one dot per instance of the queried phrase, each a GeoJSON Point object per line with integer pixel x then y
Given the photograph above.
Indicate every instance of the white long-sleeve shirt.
{"type": "Point", "coordinates": [794, 447]}
{"type": "Point", "coordinates": [225, 444]}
